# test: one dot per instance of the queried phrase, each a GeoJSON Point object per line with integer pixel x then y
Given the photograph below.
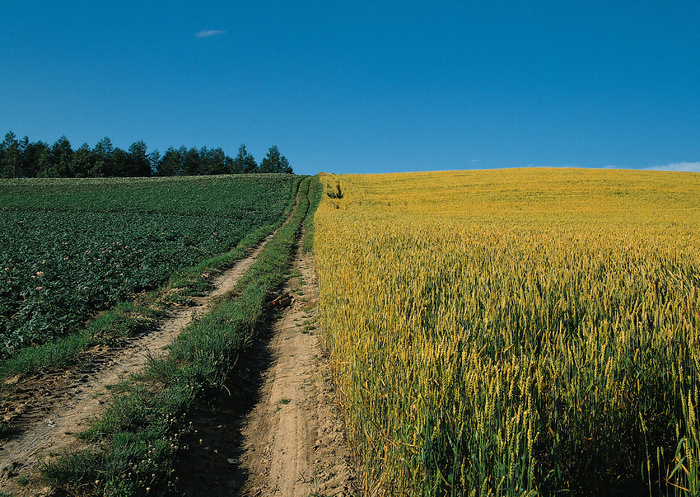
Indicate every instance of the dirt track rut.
{"type": "Point", "coordinates": [50, 409]}
{"type": "Point", "coordinates": [293, 439]}
{"type": "Point", "coordinates": [282, 437]}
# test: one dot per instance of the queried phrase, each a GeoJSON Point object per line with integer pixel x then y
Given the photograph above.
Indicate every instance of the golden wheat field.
{"type": "Point", "coordinates": [516, 332]}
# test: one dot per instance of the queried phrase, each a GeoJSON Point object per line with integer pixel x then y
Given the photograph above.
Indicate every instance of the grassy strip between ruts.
{"type": "Point", "coordinates": [137, 438]}
{"type": "Point", "coordinates": [131, 318]}
{"type": "Point", "coordinates": [315, 194]}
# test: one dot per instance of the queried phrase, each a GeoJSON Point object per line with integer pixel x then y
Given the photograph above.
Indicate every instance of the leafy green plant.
{"type": "Point", "coordinates": [137, 438]}
{"type": "Point", "coordinates": [72, 248]}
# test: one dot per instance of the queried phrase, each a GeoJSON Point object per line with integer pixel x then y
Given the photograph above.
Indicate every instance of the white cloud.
{"type": "Point", "coordinates": [209, 32]}
{"type": "Point", "coordinates": [693, 167]}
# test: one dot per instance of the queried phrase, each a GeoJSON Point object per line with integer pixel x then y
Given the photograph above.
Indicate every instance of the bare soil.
{"type": "Point", "coordinates": [279, 432]}
{"type": "Point", "coordinates": [46, 411]}
{"type": "Point", "coordinates": [276, 432]}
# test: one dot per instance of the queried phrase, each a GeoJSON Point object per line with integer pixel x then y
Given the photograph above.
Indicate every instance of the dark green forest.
{"type": "Point", "coordinates": [25, 159]}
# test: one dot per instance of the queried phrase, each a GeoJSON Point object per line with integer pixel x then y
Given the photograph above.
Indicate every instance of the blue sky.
{"type": "Point", "coordinates": [364, 86]}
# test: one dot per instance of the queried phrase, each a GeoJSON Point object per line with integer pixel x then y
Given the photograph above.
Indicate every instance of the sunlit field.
{"type": "Point", "coordinates": [516, 332]}
{"type": "Point", "coordinates": [70, 248]}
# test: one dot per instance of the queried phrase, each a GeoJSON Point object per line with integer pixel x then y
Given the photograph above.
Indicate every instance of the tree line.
{"type": "Point", "coordinates": [25, 159]}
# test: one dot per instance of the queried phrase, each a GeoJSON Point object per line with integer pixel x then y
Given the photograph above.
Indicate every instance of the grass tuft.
{"type": "Point", "coordinates": [137, 438]}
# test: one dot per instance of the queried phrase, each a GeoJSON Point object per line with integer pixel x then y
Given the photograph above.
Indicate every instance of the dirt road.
{"type": "Point", "coordinates": [284, 438]}
{"type": "Point", "coordinates": [293, 441]}
{"type": "Point", "coordinates": [50, 409]}
{"type": "Point", "coordinates": [281, 434]}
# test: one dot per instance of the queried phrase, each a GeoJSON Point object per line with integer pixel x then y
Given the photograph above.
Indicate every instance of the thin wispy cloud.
{"type": "Point", "coordinates": [693, 167]}
{"type": "Point", "coordinates": [209, 32]}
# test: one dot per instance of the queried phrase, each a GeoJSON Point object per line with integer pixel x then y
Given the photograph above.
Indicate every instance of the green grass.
{"type": "Point", "coordinates": [137, 438]}
{"type": "Point", "coordinates": [315, 194]}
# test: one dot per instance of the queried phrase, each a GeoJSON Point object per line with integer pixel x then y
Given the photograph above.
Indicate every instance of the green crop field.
{"type": "Point", "coordinates": [70, 248]}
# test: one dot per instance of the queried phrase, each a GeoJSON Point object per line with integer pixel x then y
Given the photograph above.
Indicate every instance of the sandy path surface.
{"type": "Point", "coordinates": [278, 434]}
{"type": "Point", "coordinates": [48, 410]}
{"type": "Point", "coordinates": [277, 430]}
{"type": "Point", "coordinates": [293, 439]}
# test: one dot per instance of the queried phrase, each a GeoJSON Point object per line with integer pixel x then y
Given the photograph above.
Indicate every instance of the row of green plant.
{"type": "Point", "coordinates": [95, 243]}
{"type": "Point", "coordinates": [137, 439]}
{"type": "Point", "coordinates": [134, 316]}
{"type": "Point", "coordinates": [127, 318]}
{"type": "Point", "coordinates": [227, 196]}
{"type": "Point", "coordinates": [315, 193]}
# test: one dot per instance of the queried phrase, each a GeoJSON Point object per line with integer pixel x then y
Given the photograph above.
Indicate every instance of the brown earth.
{"type": "Point", "coordinates": [46, 411]}
{"type": "Point", "coordinates": [278, 434]}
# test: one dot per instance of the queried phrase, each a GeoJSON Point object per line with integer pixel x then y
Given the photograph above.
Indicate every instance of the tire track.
{"type": "Point", "coordinates": [51, 409]}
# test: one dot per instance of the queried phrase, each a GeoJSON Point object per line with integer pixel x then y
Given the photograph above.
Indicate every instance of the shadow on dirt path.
{"type": "Point", "coordinates": [48, 410]}
{"type": "Point", "coordinates": [277, 432]}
